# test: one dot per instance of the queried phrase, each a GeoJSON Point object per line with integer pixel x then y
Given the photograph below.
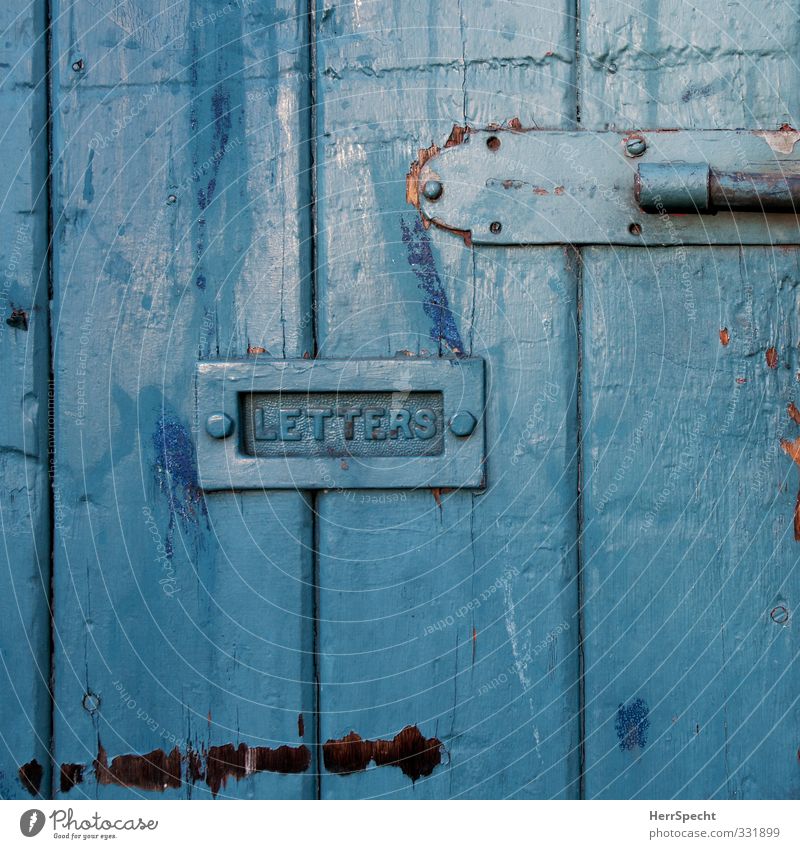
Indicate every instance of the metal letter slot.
{"type": "Point", "coordinates": [341, 424]}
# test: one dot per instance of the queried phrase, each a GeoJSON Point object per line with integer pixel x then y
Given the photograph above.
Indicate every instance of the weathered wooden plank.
{"type": "Point", "coordinates": [689, 368]}
{"type": "Point", "coordinates": [184, 637]}
{"type": "Point", "coordinates": [24, 352]}
{"type": "Point", "coordinates": [690, 559]}
{"type": "Point", "coordinates": [447, 617]}
{"type": "Point", "coordinates": [671, 63]}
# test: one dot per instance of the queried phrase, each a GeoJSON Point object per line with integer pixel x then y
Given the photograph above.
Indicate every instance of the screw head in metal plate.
{"type": "Point", "coordinates": [463, 423]}
{"type": "Point", "coordinates": [219, 425]}
{"type": "Point", "coordinates": [432, 189]}
{"type": "Point", "coordinates": [635, 146]}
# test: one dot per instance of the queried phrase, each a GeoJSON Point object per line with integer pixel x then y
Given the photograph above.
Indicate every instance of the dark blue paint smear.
{"type": "Point", "coordinates": [175, 471]}
{"type": "Point", "coordinates": [632, 725]}
{"type": "Point", "coordinates": [208, 166]}
{"type": "Point", "coordinates": [436, 305]}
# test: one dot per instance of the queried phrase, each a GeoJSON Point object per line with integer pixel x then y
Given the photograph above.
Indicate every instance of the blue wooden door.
{"type": "Point", "coordinates": [612, 616]}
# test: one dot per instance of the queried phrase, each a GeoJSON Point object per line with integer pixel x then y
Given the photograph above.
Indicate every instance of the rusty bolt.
{"type": "Point", "coordinates": [779, 615]}
{"type": "Point", "coordinates": [432, 189]}
{"type": "Point", "coordinates": [463, 423]}
{"type": "Point", "coordinates": [635, 146]}
{"type": "Point", "coordinates": [219, 425]}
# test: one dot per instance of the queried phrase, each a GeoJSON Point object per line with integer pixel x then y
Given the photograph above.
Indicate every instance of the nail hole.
{"type": "Point", "coordinates": [77, 65]}
{"type": "Point", "coordinates": [495, 226]}
{"type": "Point", "coordinates": [635, 229]}
{"type": "Point", "coordinates": [493, 143]}
{"type": "Point", "coordinates": [612, 68]}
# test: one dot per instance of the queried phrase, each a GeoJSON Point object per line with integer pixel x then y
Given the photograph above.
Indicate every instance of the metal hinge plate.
{"type": "Point", "coordinates": [341, 424]}
{"type": "Point", "coordinates": [509, 187]}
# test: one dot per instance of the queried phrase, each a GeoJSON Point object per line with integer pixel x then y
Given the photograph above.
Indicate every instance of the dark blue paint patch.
{"type": "Point", "coordinates": [175, 471]}
{"type": "Point", "coordinates": [88, 181]}
{"type": "Point", "coordinates": [632, 725]}
{"type": "Point", "coordinates": [694, 92]}
{"type": "Point", "coordinates": [436, 306]}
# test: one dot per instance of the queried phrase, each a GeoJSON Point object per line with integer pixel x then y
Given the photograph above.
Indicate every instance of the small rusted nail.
{"type": "Point", "coordinates": [779, 615]}
{"type": "Point", "coordinates": [77, 65]}
{"type": "Point", "coordinates": [612, 68]}
{"type": "Point", "coordinates": [495, 227]}
{"type": "Point", "coordinates": [172, 199]}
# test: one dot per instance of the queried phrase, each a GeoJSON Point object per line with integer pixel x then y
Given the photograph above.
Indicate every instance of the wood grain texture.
{"type": "Point", "coordinates": [689, 367]}
{"type": "Point", "coordinates": [672, 63]}
{"type": "Point", "coordinates": [184, 623]}
{"type": "Point", "coordinates": [451, 612]}
{"type": "Point", "coordinates": [24, 348]}
{"type": "Point", "coordinates": [691, 560]}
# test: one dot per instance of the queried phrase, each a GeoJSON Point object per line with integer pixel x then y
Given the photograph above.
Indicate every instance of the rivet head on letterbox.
{"type": "Point", "coordinates": [219, 425]}
{"type": "Point", "coordinates": [463, 423]}
{"type": "Point", "coordinates": [432, 189]}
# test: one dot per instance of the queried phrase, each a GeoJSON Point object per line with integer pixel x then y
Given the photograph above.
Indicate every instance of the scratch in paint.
{"type": "Point", "coordinates": [436, 305]}
{"type": "Point", "coordinates": [175, 471]}
{"type": "Point", "coordinates": [520, 649]}
{"type": "Point", "coordinates": [537, 740]}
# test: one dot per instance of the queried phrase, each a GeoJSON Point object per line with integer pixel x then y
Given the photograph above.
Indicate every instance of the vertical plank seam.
{"type": "Point", "coordinates": [51, 387]}
{"type": "Point", "coordinates": [312, 306]}
{"type": "Point", "coordinates": [579, 554]}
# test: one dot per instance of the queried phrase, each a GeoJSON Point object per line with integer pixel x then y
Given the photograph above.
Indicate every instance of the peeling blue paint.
{"type": "Point", "coordinates": [436, 306]}
{"type": "Point", "coordinates": [632, 724]}
{"type": "Point", "coordinates": [175, 471]}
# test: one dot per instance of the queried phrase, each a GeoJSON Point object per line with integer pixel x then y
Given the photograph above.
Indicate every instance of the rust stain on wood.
{"type": "Point", "coordinates": [457, 135]}
{"type": "Point", "coordinates": [156, 770]}
{"type": "Point", "coordinates": [301, 726]}
{"type": "Point", "coordinates": [772, 358]}
{"type": "Point", "coordinates": [30, 774]}
{"type": "Point", "coordinates": [71, 776]}
{"type": "Point", "coordinates": [724, 336]}
{"type": "Point", "coordinates": [225, 762]}
{"type": "Point", "coordinates": [794, 413]}
{"type": "Point", "coordinates": [414, 754]}
{"type": "Point", "coordinates": [792, 448]}
{"type": "Point", "coordinates": [159, 770]}
{"type": "Point", "coordinates": [782, 140]}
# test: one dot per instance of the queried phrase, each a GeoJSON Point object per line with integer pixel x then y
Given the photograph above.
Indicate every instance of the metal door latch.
{"type": "Point", "coordinates": [512, 187]}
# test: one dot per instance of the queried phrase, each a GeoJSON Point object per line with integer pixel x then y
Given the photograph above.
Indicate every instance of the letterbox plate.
{"type": "Point", "coordinates": [341, 424]}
